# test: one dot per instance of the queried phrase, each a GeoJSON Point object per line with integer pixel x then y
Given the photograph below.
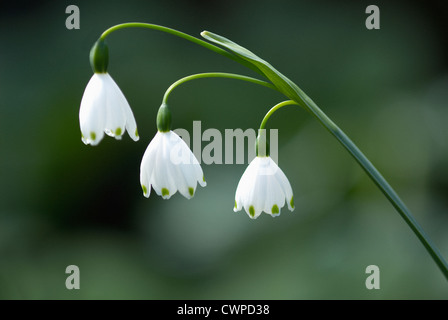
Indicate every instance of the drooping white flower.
{"type": "Point", "coordinates": [168, 166]}
{"type": "Point", "coordinates": [263, 187]}
{"type": "Point", "coordinates": [104, 109]}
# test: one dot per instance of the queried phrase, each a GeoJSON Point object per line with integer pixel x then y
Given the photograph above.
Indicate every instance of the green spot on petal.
{"type": "Point", "coordinates": [136, 132]}
{"type": "Point", "coordinates": [275, 209]}
{"type": "Point", "coordinates": [203, 178]}
{"type": "Point", "coordinates": [92, 136]}
{"type": "Point", "coordinates": [118, 132]}
{"type": "Point", "coordinates": [191, 191]}
{"type": "Point", "coordinates": [165, 192]}
{"type": "Point", "coordinates": [292, 202]}
{"type": "Point", "coordinates": [145, 190]}
{"type": "Point", "coordinates": [252, 211]}
{"type": "Point", "coordinates": [235, 205]}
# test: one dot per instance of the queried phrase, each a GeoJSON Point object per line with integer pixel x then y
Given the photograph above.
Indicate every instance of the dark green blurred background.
{"type": "Point", "coordinates": [64, 203]}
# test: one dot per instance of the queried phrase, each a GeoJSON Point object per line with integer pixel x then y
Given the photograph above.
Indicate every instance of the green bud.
{"type": "Point", "coordinates": [261, 144]}
{"type": "Point", "coordinates": [99, 57]}
{"type": "Point", "coordinates": [164, 118]}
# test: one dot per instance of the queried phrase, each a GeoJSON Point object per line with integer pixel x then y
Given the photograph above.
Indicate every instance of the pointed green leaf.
{"type": "Point", "coordinates": [283, 84]}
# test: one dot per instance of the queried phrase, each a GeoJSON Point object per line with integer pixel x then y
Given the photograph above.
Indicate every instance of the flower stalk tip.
{"type": "Point", "coordinates": [99, 56]}
{"type": "Point", "coordinates": [164, 118]}
{"type": "Point", "coordinates": [261, 144]}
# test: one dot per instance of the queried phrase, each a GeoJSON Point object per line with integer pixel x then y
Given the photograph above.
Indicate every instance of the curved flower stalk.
{"type": "Point", "coordinates": [263, 187]}
{"type": "Point", "coordinates": [168, 166]}
{"type": "Point", "coordinates": [104, 108]}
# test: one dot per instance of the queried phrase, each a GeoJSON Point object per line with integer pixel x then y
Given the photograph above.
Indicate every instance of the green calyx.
{"type": "Point", "coordinates": [164, 118]}
{"type": "Point", "coordinates": [261, 144]}
{"type": "Point", "coordinates": [99, 57]}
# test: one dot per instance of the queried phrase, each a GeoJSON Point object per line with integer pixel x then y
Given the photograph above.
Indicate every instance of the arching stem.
{"type": "Point", "coordinates": [181, 35]}
{"type": "Point", "coordinates": [215, 75]}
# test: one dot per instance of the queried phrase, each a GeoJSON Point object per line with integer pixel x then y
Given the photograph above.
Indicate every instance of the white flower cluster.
{"type": "Point", "coordinates": [168, 165]}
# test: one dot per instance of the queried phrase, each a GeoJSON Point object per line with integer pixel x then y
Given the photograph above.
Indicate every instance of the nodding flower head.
{"type": "Point", "coordinates": [168, 166]}
{"type": "Point", "coordinates": [104, 108]}
{"type": "Point", "coordinates": [263, 187]}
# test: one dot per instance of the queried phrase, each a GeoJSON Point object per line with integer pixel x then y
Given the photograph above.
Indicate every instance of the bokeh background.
{"type": "Point", "coordinates": [64, 203]}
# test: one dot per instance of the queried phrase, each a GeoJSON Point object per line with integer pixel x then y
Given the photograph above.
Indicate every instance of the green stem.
{"type": "Point", "coordinates": [371, 171]}
{"type": "Point", "coordinates": [275, 108]}
{"type": "Point", "coordinates": [379, 180]}
{"type": "Point", "coordinates": [292, 91]}
{"type": "Point", "coordinates": [181, 35]}
{"type": "Point", "coordinates": [215, 75]}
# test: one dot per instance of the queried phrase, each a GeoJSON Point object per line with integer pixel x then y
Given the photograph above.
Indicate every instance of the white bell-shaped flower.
{"type": "Point", "coordinates": [168, 166]}
{"type": "Point", "coordinates": [263, 187]}
{"type": "Point", "coordinates": [104, 109]}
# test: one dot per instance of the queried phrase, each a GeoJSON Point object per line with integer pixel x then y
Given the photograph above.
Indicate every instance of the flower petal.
{"type": "Point", "coordinates": [275, 198]}
{"type": "Point", "coordinates": [131, 125]}
{"type": "Point", "coordinates": [118, 101]}
{"type": "Point", "coordinates": [147, 164]}
{"type": "Point", "coordinates": [164, 182]}
{"type": "Point", "coordinates": [286, 187]}
{"type": "Point", "coordinates": [92, 111]}
{"type": "Point", "coordinates": [245, 185]}
{"type": "Point", "coordinates": [115, 117]}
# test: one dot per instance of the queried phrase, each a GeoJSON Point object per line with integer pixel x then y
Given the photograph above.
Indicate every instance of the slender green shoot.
{"type": "Point", "coordinates": [215, 75]}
